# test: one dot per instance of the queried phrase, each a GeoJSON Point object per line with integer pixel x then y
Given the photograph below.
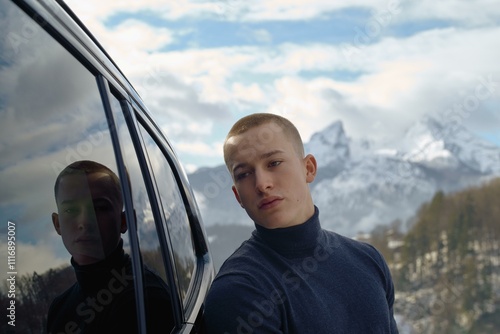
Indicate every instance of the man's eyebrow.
{"type": "Point", "coordinates": [68, 202]}
{"type": "Point", "coordinates": [262, 156]}
{"type": "Point", "coordinates": [101, 199]}
{"type": "Point", "coordinates": [270, 154]}
{"type": "Point", "coordinates": [96, 200]}
{"type": "Point", "coordinates": [238, 166]}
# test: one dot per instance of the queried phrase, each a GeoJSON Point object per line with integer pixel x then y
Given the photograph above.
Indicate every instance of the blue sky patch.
{"type": "Point", "coordinates": [332, 28]}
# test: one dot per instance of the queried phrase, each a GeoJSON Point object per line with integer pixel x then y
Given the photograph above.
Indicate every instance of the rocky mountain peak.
{"type": "Point", "coordinates": [330, 146]}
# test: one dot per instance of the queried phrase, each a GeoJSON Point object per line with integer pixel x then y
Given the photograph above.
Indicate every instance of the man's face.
{"type": "Point", "coordinates": [90, 216]}
{"type": "Point", "coordinates": [270, 178]}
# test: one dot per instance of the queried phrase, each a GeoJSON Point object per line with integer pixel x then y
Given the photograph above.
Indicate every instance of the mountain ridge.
{"type": "Point", "coordinates": [361, 184]}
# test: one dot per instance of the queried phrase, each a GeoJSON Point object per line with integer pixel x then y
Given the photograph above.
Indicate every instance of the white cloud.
{"type": "Point", "coordinates": [248, 93]}
{"type": "Point", "coordinates": [169, 9]}
{"type": "Point", "coordinates": [486, 12]}
{"type": "Point", "coordinates": [402, 79]}
{"type": "Point", "coordinates": [467, 13]}
{"type": "Point", "coordinates": [29, 258]}
{"type": "Point", "coordinates": [263, 10]}
{"type": "Point", "coordinates": [141, 35]}
{"type": "Point", "coordinates": [395, 80]}
{"type": "Point", "coordinates": [301, 102]}
{"type": "Point", "coordinates": [293, 58]}
{"type": "Point", "coordinates": [196, 147]}
{"type": "Point", "coordinates": [200, 148]}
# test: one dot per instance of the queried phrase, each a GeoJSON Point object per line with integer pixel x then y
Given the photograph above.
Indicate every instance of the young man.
{"type": "Point", "coordinates": [90, 221]}
{"type": "Point", "coordinates": [291, 276]}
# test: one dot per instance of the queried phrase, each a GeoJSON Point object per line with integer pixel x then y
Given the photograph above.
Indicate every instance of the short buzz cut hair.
{"type": "Point", "coordinates": [87, 167]}
{"type": "Point", "coordinates": [254, 120]}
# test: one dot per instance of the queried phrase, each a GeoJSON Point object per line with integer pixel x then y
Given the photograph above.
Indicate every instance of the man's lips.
{"type": "Point", "coordinates": [87, 239]}
{"type": "Point", "coordinates": [269, 202]}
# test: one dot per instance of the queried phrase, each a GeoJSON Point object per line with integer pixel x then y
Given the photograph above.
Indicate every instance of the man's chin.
{"type": "Point", "coordinates": [280, 221]}
{"type": "Point", "coordinates": [271, 224]}
{"type": "Point", "coordinates": [85, 259]}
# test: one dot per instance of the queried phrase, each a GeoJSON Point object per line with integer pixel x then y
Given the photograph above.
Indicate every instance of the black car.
{"type": "Point", "coordinates": [63, 101]}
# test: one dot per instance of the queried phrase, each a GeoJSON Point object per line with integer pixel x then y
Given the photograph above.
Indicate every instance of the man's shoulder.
{"type": "Point", "coordinates": [243, 258]}
{"type": "Point", "coordinates": [251, 263]}
{"type": "Point", "coordinates": [66, 300]}
{"type": "Point", "coordinates": [336, 239]}
{"type": "Point", "coordinates": [245, 275]}
{"type": "Point", "coordinates": [349, 246]}
{"type": "Point", "coordinates": [69, 293]}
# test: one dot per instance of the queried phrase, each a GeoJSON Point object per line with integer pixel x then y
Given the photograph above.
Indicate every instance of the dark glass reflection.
{"type": "Point", "coordinates": [91, 220]}
{"type": "Point", "coordinates": [177, 221]}
{"type": "Point", "coordinates": [50, 116]}
{"type": "Point", "coordinates": [147, 233]}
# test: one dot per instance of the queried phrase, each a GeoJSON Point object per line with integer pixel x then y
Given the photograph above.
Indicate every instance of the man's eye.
{"type": "Point", "coordinates": [70, 210]}
{"type": "Point", "coordinates": [274, 163]}
{"type": "Point", "coordinates": [102, 208]}
{"type": "Point", "coordinates": [241, 176]}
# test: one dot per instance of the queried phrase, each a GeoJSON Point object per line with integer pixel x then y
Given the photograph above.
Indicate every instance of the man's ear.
{"type": "Point", "coordinates": [55, 222]}
{"type": "Point", "coordinates": [311, 167]}
{"type": "Point", "coordinates": [235, 192]}
{"type": "Point", "coordinates": [123, 225]}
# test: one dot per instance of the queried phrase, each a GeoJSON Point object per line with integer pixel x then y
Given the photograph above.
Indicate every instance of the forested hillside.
{"type": "Point", "coordinates": [446, 268]}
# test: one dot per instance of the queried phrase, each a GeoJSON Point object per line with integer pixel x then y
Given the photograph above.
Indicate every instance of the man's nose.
{"type": "Point", "coordinates": [87, 219]}
{"type": "Point", "coordinates": [263, 181]}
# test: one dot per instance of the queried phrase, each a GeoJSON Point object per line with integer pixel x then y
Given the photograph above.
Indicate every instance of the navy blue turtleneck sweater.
{"type": "Point", "coordinates": [301, 279]}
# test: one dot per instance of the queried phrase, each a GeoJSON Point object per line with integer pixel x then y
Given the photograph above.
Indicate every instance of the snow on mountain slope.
{"type": "Point", "coordinates": [447, 145]}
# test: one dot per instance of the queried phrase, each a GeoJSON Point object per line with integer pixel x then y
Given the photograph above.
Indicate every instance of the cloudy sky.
{"type": "Point", "coordinates": [378, 66]}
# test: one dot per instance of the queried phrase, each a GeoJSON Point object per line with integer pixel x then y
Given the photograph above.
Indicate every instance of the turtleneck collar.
{"type": "Point", "coordinates": [93, 277]}
{"type": "Point", "coordinates": [294, 240]}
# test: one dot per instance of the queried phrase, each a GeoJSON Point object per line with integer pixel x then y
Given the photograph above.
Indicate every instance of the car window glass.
{"type": "Point", "coordinates": [177, 221]}
{"type": "Point", "coordinates": [51, 115]}
{"type": "Point", "coordinates": [158, 301]}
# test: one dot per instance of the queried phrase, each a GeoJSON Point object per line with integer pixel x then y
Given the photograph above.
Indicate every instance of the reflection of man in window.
{"type": "Point", "coordinates": [90, 221]}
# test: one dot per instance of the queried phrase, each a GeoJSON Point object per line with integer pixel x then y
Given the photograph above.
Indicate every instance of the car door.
{"type": "Point", "coordinates": [63, 101]}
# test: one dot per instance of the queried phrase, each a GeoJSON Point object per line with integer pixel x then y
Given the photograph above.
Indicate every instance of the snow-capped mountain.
{"type": "Point", "coordinates": [330, 146]}
{"type": "Point", "coordinates": [360, 184]}
{"type": "Point", "coordinates": [431, 143]}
